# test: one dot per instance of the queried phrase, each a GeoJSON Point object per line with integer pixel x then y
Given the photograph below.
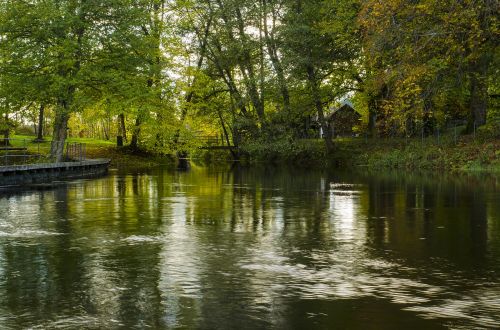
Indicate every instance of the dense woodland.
{"type": "Point", "coordinates": [160, 73]}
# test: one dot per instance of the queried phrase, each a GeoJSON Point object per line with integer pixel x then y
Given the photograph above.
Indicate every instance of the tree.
{"type": "Point", "coordinates": [427, 60]}
{"type": "Point", "coordinates": [321, 46]}
{"type": "Point", "coordinates": [70, 47]}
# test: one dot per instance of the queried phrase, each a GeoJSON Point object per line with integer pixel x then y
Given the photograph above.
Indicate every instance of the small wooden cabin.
{"type": "Point", "coordinates": [343, 120]}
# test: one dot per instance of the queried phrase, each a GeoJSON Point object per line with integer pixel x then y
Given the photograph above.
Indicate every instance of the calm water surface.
{"type": "Point", "coordinates": [240, 248]}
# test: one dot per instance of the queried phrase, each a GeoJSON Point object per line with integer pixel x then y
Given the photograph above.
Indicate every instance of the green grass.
{"type": "Point", "coordinates": [92, 142]}
{"type": "Point", "coordinates": [95, 148]}
{"type": "Point", "coordinates": [19, 140]}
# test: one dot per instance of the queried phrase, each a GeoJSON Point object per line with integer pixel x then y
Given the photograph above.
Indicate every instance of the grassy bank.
{"type": "Point", "coordinates": [121, 157]}
{"type": "Point", "coordinates": [125, 158]}
{"type": "Point", "coordinates": [450, 151]}
{"type": "Point", "coordinates": [462, 156]}
{"type": "Point", "coordinates": [479, 152]}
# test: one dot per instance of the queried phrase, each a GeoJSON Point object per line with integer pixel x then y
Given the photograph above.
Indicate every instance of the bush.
{"type": "Point", "coordinates": [25, 130]}
{"type": "Point", "coordinates": [285, 149]}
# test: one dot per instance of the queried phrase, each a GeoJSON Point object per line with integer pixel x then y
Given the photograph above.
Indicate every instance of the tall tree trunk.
{"type": "Point", "coordinates": [203, 49]}
{"type": "Point", "coordinates": [6, 132]}
{"type": "Point", "coordinates": [157, 29]}
{"type": "Point", "coordinates": [372, 117]}
{"type": "Point", "coordinates": [478, 103]}
{"type": "Point", "coordinates": [40, 123]}
{"type": "Point", "coordinates": [234, 153]}
{"type": "Point", "coordinates": [275, 60]}
{"type": "Point", "coordinates": [318, 104]}
{"type": "Point", "coordinates": [105, 130]}
{"type": "Point", "coordinates": [59, 135]}
{"type": "Point", "coordinates": [314, 85]}
{"type": "Point", "coordinates": [122, 127]}
{"type": "Point", "coordinates": [64, 103]}
{"type": "Point", "coordinates": [134, 141]}
{"type": "Point", "coordinates": [244, 59]}
{"type": "Point", "coordinates": [226, 75]}
{"type": "Point", "coordinates": [247, 70]}
{"type": "Point", "coordinates": [261, 60]}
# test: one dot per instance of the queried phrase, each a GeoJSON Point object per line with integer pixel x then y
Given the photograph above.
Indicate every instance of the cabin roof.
{"type": "Point", "coordinates": [345, 104]}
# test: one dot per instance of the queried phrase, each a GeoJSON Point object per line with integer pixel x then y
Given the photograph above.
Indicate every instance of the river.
{"type": "Point", "coordinates": [222, 248]}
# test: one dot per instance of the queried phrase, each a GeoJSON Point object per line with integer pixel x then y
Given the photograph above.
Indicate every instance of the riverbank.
{"type": "Point", "coordinates": [480, 152]}
{"type": "Point", "coordinates": [413, 155]}
{"type": "Point", "coordinates": [127, 158]}
{"type": "Point", "coordinates": [467, 154]}
{"type": "Point", "coordinates": [448, 153]}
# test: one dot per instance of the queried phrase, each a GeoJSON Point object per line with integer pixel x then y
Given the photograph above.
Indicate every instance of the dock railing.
{"type": "Point", "coordinates": [76, 151]}
{"type": "Point", "coordinates": [15, 151]}
{"type": "Point", "coordinates": [18, 151]}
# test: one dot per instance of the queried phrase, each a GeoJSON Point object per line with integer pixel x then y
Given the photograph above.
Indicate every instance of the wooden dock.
{"type": "Point", "coordinates": [17, 175]}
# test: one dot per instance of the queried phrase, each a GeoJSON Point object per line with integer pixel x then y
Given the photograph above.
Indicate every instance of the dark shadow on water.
{"type": "Point", "coordinates": [183, 164]}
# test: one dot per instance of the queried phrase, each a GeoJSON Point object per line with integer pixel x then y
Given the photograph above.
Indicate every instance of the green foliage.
{"type": "Point", "coordinates": [429, 60]}
{"type": "Point", "coordinates": [262, 74]}
{"type": "Point", "coordinates": [302, 152]}
{"type": "Point", "coordinates": [77, 56]}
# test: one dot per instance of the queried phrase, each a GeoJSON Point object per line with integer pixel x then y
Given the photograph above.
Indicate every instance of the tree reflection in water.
{"type": "Point", "coordinates": [289, 248]}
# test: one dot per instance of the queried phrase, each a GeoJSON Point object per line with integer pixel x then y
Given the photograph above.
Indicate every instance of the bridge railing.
{"type": "Point", "coordinates": [210, 140]}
